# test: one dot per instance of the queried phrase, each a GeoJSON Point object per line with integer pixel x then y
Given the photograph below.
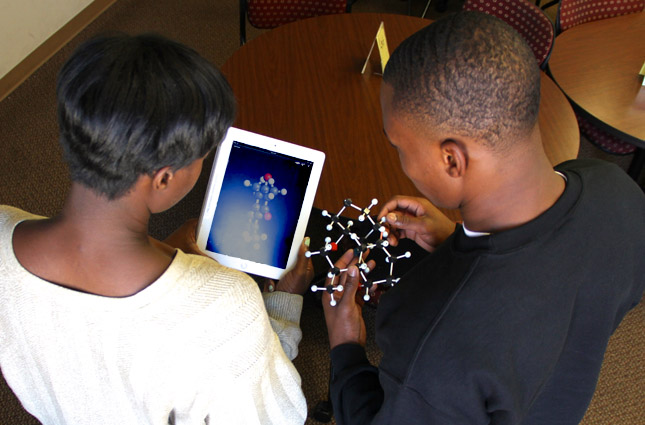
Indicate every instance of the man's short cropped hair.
{"type": "Point", "coordinates": [470, 73]}
{"type": "Point", "coordinates": [131, 105]}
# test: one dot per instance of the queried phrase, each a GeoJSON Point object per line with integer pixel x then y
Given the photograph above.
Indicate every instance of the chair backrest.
{"type": "Point", "coordinates": [273, 13]}
{"type": "Point", "coordinates": [527, 19]}
{"type": "Point", "coordinates": [576, 12]}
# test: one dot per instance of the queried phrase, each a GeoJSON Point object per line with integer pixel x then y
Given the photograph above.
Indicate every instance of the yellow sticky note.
{"type": "Point", "coordinates": [381, 41]}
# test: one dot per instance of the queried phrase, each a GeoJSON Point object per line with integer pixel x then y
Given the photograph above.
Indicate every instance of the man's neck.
{"type": "Point", "coordinates": [515, 197]}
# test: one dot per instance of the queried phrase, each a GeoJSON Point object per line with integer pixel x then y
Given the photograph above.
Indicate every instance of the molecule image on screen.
{"type": "Point", "coordinates": [378, 233]}
{"type": "Point", "coordinates": [264, 191]}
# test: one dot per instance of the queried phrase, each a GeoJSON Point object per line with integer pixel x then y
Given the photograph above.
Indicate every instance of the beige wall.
{"type": "Point", "coordinates": [26, 24]}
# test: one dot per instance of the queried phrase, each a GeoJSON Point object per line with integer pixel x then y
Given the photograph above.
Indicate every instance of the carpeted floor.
{"type": "Point", "coordinates": [35, 179]}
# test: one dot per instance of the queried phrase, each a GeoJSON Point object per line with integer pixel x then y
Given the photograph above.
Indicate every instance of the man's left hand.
{"type": "Point", "coordinates": [345, 320]}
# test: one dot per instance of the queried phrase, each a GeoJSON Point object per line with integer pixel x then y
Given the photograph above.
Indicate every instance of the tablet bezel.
{"type": "Point", "coordinates": [213, 190]}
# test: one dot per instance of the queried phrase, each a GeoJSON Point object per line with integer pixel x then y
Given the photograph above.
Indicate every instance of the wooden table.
{"type": "Point", "coordinates": [302, 83]}
{"type": "Point", "coordinates": [597, 63]}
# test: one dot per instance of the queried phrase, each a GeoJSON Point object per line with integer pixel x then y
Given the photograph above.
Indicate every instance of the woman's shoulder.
{"type": "Point", "coordinates": [222, 297]}
{"type": "Point", "coordinates": [213, 272]}
{"type": "Point", "coordinates": [11, 216]}
{"type": "Point", "coordinates": [206, 279]}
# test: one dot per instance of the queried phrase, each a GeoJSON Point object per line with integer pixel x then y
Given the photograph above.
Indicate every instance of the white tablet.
{"type": "Point", "coordinates": [258, 201]}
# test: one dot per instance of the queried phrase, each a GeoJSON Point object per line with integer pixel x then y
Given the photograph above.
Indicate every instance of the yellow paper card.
{"type": "Point", "coordinates": [384, 52]}
{"type": "Point", "coordinates": [642, 70]}
{"type": "Point", "coordinates": [381, 41]}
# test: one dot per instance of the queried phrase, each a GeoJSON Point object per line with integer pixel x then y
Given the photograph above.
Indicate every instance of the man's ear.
{"type": "Point", "coordinates": [455, 157]}
{"type": "Point", "coordinates": [162, 177]}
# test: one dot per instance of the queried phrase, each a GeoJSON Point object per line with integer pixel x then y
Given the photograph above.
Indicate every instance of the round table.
{"type": "Point", "coordinates": [597, 63]}
{"type": "Point", "coordinates": [302, 83]}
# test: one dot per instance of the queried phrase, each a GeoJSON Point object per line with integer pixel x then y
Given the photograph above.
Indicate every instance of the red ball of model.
{"type": "Point", "coordinates": [267, 216]}
{"type": "Point", "coordinates": [267, 176]}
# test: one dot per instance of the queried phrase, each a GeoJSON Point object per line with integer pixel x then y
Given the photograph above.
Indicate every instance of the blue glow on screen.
{"type": "Point", "coordinates": [241, 227]}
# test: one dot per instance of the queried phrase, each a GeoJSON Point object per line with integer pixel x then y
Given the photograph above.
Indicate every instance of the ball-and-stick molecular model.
{"type": "Point", "coordinates": [264, 192]}
{"type": "Point", "coordinates": [362, 245]}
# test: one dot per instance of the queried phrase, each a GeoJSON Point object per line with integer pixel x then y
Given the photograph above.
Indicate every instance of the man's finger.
{"type": "Point", "coordinates": [345, 259]}
{"type": "Point", "coordinates": [408, 225]}
{"type": "Point", "coordinates": [351, 283]}
{"type": "Point", "coordinates": [400, 221]}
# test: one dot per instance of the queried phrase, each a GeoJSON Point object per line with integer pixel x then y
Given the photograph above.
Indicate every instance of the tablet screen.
{"type": "Point", "coordinates": [259, 205]}
{"type": "Point", "coordinates": [258, 202]}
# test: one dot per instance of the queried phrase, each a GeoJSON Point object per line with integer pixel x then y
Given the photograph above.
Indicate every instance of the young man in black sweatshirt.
{"type": "Point", "coordinates": [508, 319]}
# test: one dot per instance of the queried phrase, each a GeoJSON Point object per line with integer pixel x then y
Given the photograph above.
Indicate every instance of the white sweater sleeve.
{"type": "Point", "coordinates": [265, 387]}
{"type": "Point", "coordinates": [284, 311]}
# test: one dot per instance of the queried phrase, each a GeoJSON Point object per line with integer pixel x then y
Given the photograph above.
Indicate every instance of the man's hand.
{"type": "Point", "coordinates": [185, 238]}
{"type": "Point", "coordinates": [416, 219]}
{"type": "Point", "coordinates": [345, 320]}
{"type": "Point", "coordinates": [296, 280]}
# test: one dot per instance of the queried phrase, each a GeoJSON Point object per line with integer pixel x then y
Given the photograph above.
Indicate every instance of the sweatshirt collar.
{"type": "Point", "coordinates": [533, 230]}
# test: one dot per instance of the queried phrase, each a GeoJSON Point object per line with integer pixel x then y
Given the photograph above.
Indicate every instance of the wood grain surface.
{"type": "Point", "coordinates": [597, 63]}
{"type": "Point", "coordinates": [302, 83]}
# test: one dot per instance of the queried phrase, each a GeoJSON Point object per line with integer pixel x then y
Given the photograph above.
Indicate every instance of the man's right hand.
{"type": "Point", "coordinates": [416, 219]}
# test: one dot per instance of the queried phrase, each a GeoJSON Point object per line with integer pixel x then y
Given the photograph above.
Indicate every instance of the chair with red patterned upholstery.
{"type": "Point", "coordinates": [273, 13]}
{"type": "Point", "coordinates": [527, 19]}
{"type": "Point", "coordinates": [576, 12]}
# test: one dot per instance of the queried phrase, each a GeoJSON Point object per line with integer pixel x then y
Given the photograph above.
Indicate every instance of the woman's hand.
{"type": "Point", "coordinates": [185, 238]}
{"type": "Point", "coordinates": [296, 280]}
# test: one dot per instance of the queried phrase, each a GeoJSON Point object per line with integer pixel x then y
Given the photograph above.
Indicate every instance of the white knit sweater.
{"type": "Point", "coordinates": [195, 347]}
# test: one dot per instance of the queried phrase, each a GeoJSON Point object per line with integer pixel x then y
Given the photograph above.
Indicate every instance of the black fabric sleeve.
{"type": "Point", "coordinates": [356, 393]}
